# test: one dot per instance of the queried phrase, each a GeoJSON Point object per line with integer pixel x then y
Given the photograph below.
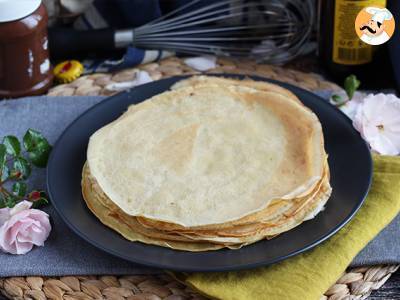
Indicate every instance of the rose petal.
{"type": "Point", "coordinates": [7, 239]}
{"type": "Point", "coordinates": [11, 232]}
{"type": "Point", "coordinates": [23, 205]}
{"type": "Point", "coordinates": [358, 97]}
{"type": "Point", "coordinates": [377, 119]}
{"type": "Point", "coordinates": [392, 142]}
{"type": "Point", "coordinates": [358, 120]}
{"type": "Point", "coordinates": [38, 238]}
{"type": "Point", "coordinates": [24, 229]}
{"type": "Point", "coordinates": [372, 107]}
{"type": "Point", "coordinates": [21, 248]}
{"type": "Point", "coordinates": [383, 145]}
{"type": "Point", "coordinates": [40, 216]}
{"type": "Point", "coordinates": [391, 116]}
{"type": "Point", "coordinates": [350, 108]}
{"type": "Point", "coordinates": [4, 215]}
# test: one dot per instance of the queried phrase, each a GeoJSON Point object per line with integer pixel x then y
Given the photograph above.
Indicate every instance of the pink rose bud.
{"type": "Point", "coordinates": [22, 227]}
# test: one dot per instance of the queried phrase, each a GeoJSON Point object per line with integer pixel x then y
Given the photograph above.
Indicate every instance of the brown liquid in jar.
{"type": "Point", "coordinates": [24, 56]}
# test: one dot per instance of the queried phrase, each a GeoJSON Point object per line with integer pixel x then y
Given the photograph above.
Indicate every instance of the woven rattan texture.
{"type": "Point", "coordinates": [109, 84]}
{"type": "Point", "coordinates": [354, 284]}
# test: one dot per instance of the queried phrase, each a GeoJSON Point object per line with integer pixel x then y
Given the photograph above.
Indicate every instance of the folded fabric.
{"type": "Point", "coordinates": [309, 275]}
{"type": "Point", "coordinates": [64, 252]}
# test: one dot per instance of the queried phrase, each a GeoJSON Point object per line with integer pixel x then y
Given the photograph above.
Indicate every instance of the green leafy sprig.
{"type": "Point", "coordinates": [16, 162]}
{"type": "Point", "coordinates": [351, 85]}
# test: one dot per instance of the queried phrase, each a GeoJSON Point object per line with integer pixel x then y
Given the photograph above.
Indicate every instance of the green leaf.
{"type": "Point", "coordinates": [2, 202]}
{"type": "Point", "coordinates": [5, 173]}
{"type": "Point", "coordinates": [336, 98]}
{"type": "Point", "coordinates": [22, 168]}
{"type": "Point", "coordinates": [19, 189]}
{"type": "Point", "coordinates": [38, 147]}
{"type": "Point", "coordinates": [12, 144]}
{"type": "Point", "coordinates": [32, 139]}
{"type": "Point", "coordinates": [40, 203]}
{"type": "Point", "coordinates": [10, 201]}
{"type": "Point", "coordinates": [40, 155]}
{"type": "Point", "coordinates": [3, 155]}
{"type": "Point", "coordinates": [351, 84]}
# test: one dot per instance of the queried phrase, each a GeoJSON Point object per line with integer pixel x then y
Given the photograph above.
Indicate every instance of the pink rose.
{"type": "Point", "coordinates": [22, 227]}
{"type": "Point", "coordinates": [377, 120]}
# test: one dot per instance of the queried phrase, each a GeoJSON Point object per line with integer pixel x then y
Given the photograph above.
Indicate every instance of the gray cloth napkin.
{"type": "Point", "coordinates": [65, 253]}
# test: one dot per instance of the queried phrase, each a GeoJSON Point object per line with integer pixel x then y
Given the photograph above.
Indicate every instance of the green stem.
{"type": "Point", "coordinates": [7, 162]}
{"type": "Point", "coordinates": [3, 182]}
{"type": "Point", "coordinates": [341, 104]}
{"type": "Point", "coordinates": [4, 191]}
{"type": "Point", "coordinates": [23, 153]}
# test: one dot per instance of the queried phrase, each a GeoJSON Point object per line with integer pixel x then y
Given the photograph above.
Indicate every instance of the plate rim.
{"type": "Point", "coordinates": [238, 266]}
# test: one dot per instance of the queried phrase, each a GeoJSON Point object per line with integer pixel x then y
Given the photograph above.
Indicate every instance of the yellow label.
{"type": "Point", "coordinates": [348, 49]}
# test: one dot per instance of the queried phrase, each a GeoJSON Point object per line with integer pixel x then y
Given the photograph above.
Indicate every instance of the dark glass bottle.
{"type": "Point", "coordinates": [340, 50]}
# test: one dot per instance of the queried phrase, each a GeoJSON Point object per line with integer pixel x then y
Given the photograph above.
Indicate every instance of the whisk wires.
{"type": "Point", "coordinates": [272, 30]}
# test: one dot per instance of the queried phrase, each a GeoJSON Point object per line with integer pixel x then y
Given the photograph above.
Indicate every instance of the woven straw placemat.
{"type": "Point", "coordinates": [355, 283]}
{"type": "Point", "coordinates": [109, 84]}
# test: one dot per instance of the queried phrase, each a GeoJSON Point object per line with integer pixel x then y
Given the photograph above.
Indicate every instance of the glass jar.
{"type": "Point", "coordinates": [24, 55]}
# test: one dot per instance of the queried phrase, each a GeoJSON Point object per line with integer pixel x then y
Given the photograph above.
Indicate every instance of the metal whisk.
{"type": "Point", "coordinates": [269, 30]}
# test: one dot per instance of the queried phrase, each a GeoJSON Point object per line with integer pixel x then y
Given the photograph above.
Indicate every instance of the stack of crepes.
{"type": "Point", "coordinates": [212, 163]}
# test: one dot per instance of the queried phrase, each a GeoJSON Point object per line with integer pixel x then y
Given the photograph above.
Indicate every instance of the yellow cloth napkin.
{"type": "Point", "coordinates": [309, 275]}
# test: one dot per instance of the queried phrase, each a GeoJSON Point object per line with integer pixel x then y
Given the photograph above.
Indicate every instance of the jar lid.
{"type": "Point", "coordinates": [68, 71]}
{"type": "Point", "coordinates": [11, 10]}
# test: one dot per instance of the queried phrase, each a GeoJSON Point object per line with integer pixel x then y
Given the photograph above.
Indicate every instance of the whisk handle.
{"type": "Point", "coordinates": [65, 42]}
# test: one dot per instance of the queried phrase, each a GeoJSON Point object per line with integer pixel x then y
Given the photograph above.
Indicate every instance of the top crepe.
{"type": "Point", "coordinates": [208, 154]}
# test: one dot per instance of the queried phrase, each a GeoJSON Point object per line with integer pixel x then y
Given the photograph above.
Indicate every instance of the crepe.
{"type": "Point", "coordinates": [213, 163]}
{"type": "Point", "coordinates": [107, 217]}
{"type": "Point", "coordinates": [183, 157]}
{"type": "Point", "coordinates": [221, 81]}
{"type": "Point", "coordinates": [276, 208]}
{"type": "Point", "coordinates": [128, 226]}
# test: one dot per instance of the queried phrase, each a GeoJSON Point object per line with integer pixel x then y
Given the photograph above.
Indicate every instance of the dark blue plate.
{"type": "Point", "coordinates": [349, 161]}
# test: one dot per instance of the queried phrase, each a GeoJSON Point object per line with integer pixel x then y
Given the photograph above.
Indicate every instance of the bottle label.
{"type": "Point", "coordinates": [348, 49]}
